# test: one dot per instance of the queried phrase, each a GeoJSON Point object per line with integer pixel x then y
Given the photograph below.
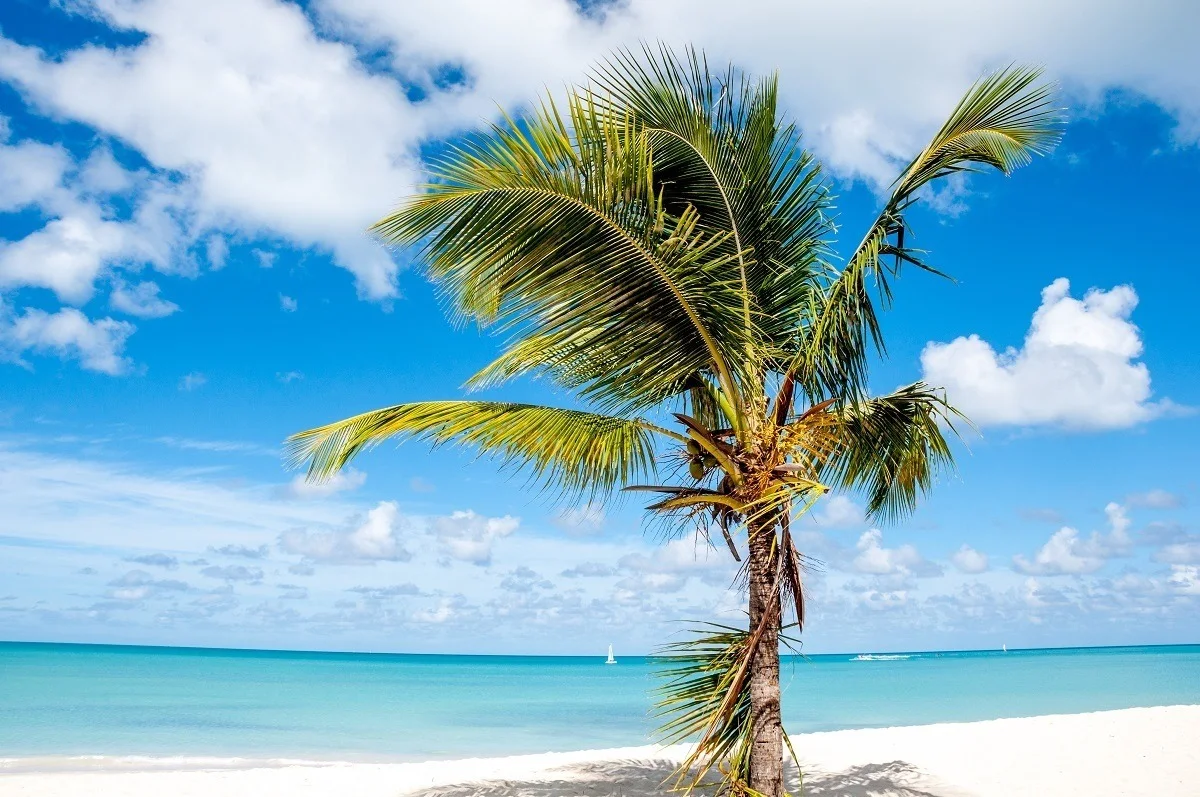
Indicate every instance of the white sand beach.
{"type": "Point", "coordinates": [1141, 751]}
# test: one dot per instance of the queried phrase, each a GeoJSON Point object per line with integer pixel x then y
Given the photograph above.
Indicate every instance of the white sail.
{"type": "Point", "coordinates": [611, 660]}
{"type": "Point", "coordinates": [1004, 647]}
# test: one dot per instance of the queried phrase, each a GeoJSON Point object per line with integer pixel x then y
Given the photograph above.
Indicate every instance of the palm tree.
{"type": "Point", "coordinates": [661, 245]}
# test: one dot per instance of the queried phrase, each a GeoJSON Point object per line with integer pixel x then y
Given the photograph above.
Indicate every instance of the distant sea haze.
{"type": "Point", "coordinates": [60, 700]}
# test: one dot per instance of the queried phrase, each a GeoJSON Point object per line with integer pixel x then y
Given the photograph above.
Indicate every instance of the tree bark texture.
{"type": "Point", "coordinates": [766, 753]}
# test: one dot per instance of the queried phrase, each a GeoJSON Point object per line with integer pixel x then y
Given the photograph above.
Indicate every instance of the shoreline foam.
{"type": "Point", "coordinates": [1125, 752]}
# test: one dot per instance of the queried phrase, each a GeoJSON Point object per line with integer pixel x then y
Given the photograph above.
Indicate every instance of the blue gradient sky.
{"type": "Point", "coordinates": [184, 282]}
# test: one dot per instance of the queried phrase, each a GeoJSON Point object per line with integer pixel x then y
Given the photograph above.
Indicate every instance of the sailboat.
{"type": "Point", "coordinates": [610, 660]}
{"type": "Point", "coordinates": [1004, 647]}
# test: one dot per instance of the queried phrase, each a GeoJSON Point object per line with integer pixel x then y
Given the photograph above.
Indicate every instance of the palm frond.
{"type": "Point", "coordinates": [703, 698]}
{"type": "Point", "coordinates": [1002, 122]}
{"type": "Point", "coordinates": [721, 146]}
{"type": "Point", "coordinates": [581, 452]}
{"type": "Point", "coordinates": [555, 228]}
{"type": "Point", "coordinates": [893, 447]}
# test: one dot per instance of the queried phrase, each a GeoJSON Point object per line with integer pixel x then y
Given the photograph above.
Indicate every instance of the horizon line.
{"type": "Point", "coordinates": [784, 654]}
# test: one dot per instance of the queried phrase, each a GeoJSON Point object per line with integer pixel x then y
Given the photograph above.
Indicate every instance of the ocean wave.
{"type": "Point", "coordinates": [881, 657]}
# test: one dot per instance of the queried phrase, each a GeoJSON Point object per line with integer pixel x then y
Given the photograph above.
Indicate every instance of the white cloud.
{"type": "Point", "coordinates": [98, 345]}
{"type": "Point", "coordinates": [468, 537]}
{"type": "Point", "coordinates": [141, 300]}
{"type": "Point", "coordinates": [235, 97]}
{"type": "Point", "coordinates": [838, 512]}
{"type": "Point", "coordinates": [72, 516]}
{"type": "Point", "coordinates": [1076, 369]}
{"type": "Point", "coordinates": [874, 559]}
{"type": "Point", "coordinates": [216, 251]}
{"type": "Point", "coordinates": [101, 174]}
{"type": "Point", "coordinates": [669, 567]}
{"type": "Point", "coordinates": [342, 481]}
{"type": "Point", "coordinates": [242, 551]}
{"type": "Point", "coordinates": [969, 560]}
{"type": "Point", "coordinates": [858, 121]}
{"type": "Point", "coordinates": [67, 255]}
{"type": "Point", "coordinates": [287, 304]}
{"type": "Point", "coordinates": [376, 538]}
{"type": "Point", "coordinates": [220, 446]}
{"type": "Point", "coordinates": [192, 381]}
{"type": "Point", "coordinates": [138, 585]}
{"type": "Point", "coordinates": [233, 573]}
{"type": "Point", "coordinates": [156, 560]}
{"type": "Point", "coordinates": [238, 96]}
{"type": "Point", "coordinates": [1185, 579]}
{"type": "Point", "coordinates": [589, 570]}
{"type": "Point", "coordinates": [1155, 499]}
{"type": "Point", "coordinates": [30, 173]}
{"type": "Point", "coordinates": [1066, 553]}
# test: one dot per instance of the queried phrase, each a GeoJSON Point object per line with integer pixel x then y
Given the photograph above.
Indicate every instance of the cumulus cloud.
{"type": "Point", "coordinates": [30, 173]}
{"type": "Point", "coordinates": [137, 585]}
{"type": "Point", "coordinates": [838, 512]}
{"type": "Point", "coordinates": [242, 551]}
{"type": "Point", "coordinates": [228, 124]}
{"type": "Point", "coordinates": [156, 560]}
{"type": "Point", "coordinates": [1175, 545]}
{"type": "Point", "coordinates": [233, 573]}
{"type": "Point", "coordinates": [589, 570]}
{"type": "Point", "coordinates": [85, 233]}
{"type": "Point", "coordinates": [245, 140]}
{"type": "Point", "coordinates": [375, 538]}
{"type": "Point", "coordinates": [469, 537]}
{"type": "Point", "coordinates": [874, 559]}
{"type": "Point", "coordinates": [1067, 553]}
{"type": "Point", "coordinates": [141, 300]}
{"type": "Point", "coordinates": [524, 579]}
{"type": "Point", "coordinates": [969, 560]}
{"type": "Point", "coordinates": [1077, 368]}
{"type": "Point", "coordinates": [98, 345]}
{"type": "Point", "coordinates": [669, 567]}
{"type": "Point", "coordinates": [342, 481]}
{"type": "Point", "coordinates": [287, 304]}
{"type": "Point", "coordinates": [391, 591]}
{"type": "Point", "coordinates": [1185, 579]}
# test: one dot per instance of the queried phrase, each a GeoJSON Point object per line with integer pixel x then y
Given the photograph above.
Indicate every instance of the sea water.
{"type": "Point", "coordinates": [114, 700]}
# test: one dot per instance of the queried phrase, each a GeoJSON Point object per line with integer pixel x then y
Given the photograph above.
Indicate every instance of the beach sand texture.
{"type": "Point", "coordinates": [1140, 751]}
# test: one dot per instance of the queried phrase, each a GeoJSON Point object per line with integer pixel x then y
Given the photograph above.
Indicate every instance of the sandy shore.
{"type": "Point", "coordinates": [1143, 751]}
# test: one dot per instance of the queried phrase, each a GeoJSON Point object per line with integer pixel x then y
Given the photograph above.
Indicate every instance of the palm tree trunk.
{"type": "Point", "coordinates": [766, 752]}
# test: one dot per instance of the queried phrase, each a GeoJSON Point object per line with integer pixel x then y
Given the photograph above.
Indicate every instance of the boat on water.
{"type": "Point", "coordinates": [610, 660]}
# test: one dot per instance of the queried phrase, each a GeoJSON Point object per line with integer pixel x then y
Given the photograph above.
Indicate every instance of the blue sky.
{"type": "Point", "coordinates": [184, 281]}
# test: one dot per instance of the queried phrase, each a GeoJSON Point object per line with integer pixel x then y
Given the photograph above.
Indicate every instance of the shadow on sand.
{"type": "Point", "coordinates": [645, 779]}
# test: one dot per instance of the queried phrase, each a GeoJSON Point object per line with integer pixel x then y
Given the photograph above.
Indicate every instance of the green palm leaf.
{"type": "Point", "coordinates": [1002, 122]}
{"type": "Point", "coordinates": [554, 228]}
{"type": "Point", "coordinates": [893, 448]}
{"type": "Point", "coordinates": [577, 451]}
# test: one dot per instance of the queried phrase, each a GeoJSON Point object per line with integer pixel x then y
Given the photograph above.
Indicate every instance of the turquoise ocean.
{"type": "Point", "coordinates": [60, 700]}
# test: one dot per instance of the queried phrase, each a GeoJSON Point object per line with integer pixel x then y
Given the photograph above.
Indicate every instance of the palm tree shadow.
{"type": "Point", "coordinates": [646, 779]}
